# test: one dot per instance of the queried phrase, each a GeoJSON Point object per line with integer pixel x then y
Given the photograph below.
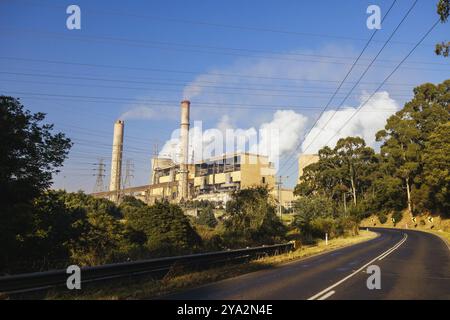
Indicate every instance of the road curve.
{"type": "Point", "coordinates": [413, 265]}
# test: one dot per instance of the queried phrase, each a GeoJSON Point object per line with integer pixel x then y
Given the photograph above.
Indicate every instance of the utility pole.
{"type": "Point", "coordinates": [279, 184]}
{"type": "Point", "coordinates": [100, 174]}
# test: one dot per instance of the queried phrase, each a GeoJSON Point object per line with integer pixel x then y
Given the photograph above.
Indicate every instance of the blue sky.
{"type": "Point", "coordinates": [238, 61]}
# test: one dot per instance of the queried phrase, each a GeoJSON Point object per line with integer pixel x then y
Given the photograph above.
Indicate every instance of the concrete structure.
{"type": "Point", "coordinates": [305, 160]}
{"type": "Point", "coordinates": [286, 197]}
{"type": "Point", "coordinates": [213, 179]}
{"type": "Point", "coordinates": [116, 161]}
{"type": "Point", "coordinates": [184, 150]}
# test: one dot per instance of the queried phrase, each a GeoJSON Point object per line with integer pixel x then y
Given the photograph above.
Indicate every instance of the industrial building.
{"type": "Point", "coordinates": [305, 160]}
{"type": "Point", "coordinates": [213, 179]}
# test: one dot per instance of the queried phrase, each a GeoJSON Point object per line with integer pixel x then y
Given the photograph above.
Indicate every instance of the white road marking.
{"type": "Point", "coordinates": [325, 291]}
{"type": "Point", "coordinates": [393, 249]}
{"type": "Point", "coordinates": [326, 296]}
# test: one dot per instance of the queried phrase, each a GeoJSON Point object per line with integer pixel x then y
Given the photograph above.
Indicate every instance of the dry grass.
{"type": "Point", "coordinates": [439, 226]}
{"type": "Point", "coordinates": [147, 288]}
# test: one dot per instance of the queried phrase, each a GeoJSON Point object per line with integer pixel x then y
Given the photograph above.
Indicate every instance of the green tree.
{"type": "Point", "coordinates": [309, 209]}
{"type": "Point", "coordinates": [103, 238]}
{"type": "Point", "coordinates": [323, 177]}
{"type": "Point", "coordinates": [443, 10]}
{"type": "Point", "coordinates": [29, 154]}
{"type": "Point", "coordinates": [437, 169]}
{"type": "Point", "coordinates": [407, 131]}
{"type": "Point", "coordinates": [357, 161]}
{"type": "Point", "coordinates": [346, 169]}
{"type": "Point", "coordinates": [251, 219]}
{"type": "Point", "coordinates": [167, 229]}
{"type": "Point", "coordinates": [206, 217]}
{"type": "Point", "coordinates": [47, 243]}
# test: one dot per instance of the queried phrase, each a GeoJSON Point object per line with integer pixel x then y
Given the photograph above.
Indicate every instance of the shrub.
{"type": "Point", "coordinates": [314, 215]}
{"type": "Point", "coordinates": [397, 216]}
{"type": "Point", "coordinates": [382, 217]}
{"type": "Point", "coordinates": [206, 217]}
{"type": "Point", "coordinates": [167, 229]}
{"type": "Point", "coordinates": [251, 220]}
{"type": "Point", "coordinates": [323, 225]}
{"type": "Point", "coordinates": [347, 226]}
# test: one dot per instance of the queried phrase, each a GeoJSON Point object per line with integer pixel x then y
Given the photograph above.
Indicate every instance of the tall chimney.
{"type": "Point", "coordinates": [116, 160]}
{"type": "Point", "coordinates": [184, 139]}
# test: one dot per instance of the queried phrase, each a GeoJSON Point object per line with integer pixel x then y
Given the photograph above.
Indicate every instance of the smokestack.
{"type": "Point", "coordinates": [184, 138]}
{"type": "Point", "coordinates": [116, 159]}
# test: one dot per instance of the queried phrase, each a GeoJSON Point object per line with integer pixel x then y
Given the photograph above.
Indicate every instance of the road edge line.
{"type": "Point", "coordinates": [321, 293]}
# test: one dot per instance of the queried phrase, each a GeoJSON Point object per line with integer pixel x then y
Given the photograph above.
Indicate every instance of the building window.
{"type": "Point", "coordinates": [263, 180]}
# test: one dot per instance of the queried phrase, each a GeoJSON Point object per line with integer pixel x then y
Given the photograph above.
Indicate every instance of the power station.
{"type": "Point", "coordinates": [213, 179]}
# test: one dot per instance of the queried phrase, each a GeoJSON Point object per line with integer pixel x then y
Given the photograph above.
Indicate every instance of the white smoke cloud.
{"type": "Point", "coordinates": [371, 118]}
{"type": "Point", "coordinates": [139, 113]}
{"type": "Point", "coordinates": [225, 123]}
{"type": "Point", "coordinates": [273, 138]}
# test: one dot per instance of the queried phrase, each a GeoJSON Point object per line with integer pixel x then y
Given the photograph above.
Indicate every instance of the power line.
{"type": "Point", "coordinates": [365, 71]}
{"type": "Point", "coordinates": [345, 78]}
{"type": "Point", "coordinates": [166, 103]}
{"type": "Point", "coordinates": [210, 24]}
{"type": "Point", "coordinates": [250, 87]}
{"type": "Point", "coordinates": [385, 80]}
{"type": "Point", "coordinates": [172, 91]}
{"type": "Point", "coordinates": [141, 68]}
{"type": "Point", "coordinates": [184, 46]}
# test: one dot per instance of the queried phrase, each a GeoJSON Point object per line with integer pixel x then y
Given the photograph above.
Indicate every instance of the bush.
{"type": "Point", "coordinates": [397, 216]}
{"type": "Point", "coordinates": [382, 217]}
{"type": "Point", "coordinates": [321, 226]}
{"type": "Point", "coordinates": [347, 226]}
{"type": "Point", "coordinates": [206, 217]}
{"type": "Point", "coordinates": [167, 229]}
{"type": "Point", "coordinates": [250, 219]}
{"type": "Point", "coordinates": [53, 228]}
{"type": "Point", "coordinates": [314, 217]}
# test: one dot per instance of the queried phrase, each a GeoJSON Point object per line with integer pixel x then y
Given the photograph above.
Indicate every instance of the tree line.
{"type": "Point", "coordinates": [411, 170]}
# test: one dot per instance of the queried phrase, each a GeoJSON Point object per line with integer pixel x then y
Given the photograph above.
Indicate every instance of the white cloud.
{"type": "Point", "coordinates": [364, 124]}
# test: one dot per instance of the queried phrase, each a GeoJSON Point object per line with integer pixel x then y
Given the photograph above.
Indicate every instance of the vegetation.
{"type": "Point", "coordinates": [206, 217]}
{"type": "Point", "coordinates": [29, 154]}
{"type": "Point", "coordinates": [177, 281]}
{"type": "Point", "coordinates": [408, 136]}
{"type": "Point", "coordinates": [443, 10]}
{"type": "Point", "coordinates": [411, 171]}
{"type": "Point", "coordinates": [251, 219]}
{"type": "Point", "coordinates": [167, 230]}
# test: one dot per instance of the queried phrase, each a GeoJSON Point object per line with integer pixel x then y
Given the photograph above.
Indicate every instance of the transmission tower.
{"type": "Point", "coordinates": [129, 173]}
{"type": "Point", "coordinates": [100, 174]}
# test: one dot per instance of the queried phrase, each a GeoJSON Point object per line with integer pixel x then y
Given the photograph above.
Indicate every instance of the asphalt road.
{"type": "Point", "coordinates": [413, 265]}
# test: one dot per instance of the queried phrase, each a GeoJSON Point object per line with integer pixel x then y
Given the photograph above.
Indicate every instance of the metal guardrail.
{"type": "Point", "coordinates": [154, 267]}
